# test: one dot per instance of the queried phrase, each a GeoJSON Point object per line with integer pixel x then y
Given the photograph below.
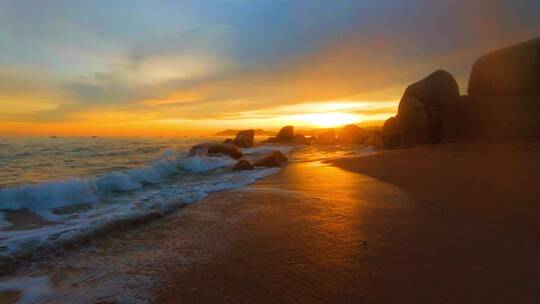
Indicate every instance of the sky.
{"type": "Point", "coordinates": [144, 68]}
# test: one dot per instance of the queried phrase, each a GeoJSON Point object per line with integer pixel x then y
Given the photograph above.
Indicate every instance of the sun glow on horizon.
{"type": "Point", "coordinates": [329, 114]}
{"type": "Point", "coordinates": [311, 115]}
{"type": "Point", "coordinates": [325, 120]}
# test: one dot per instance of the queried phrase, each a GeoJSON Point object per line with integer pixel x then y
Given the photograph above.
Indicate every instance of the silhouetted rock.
{"type": "Point", "coordinates": [503, 105]}
{"type": "Point", "coordinates": [391, 133]}
{"type": "Point", "coordinates": [285, 134]}
{"type": "Point", "coordinates": [244, 139]}
{"type": "Point", "coordinates": [375, 141]}
{"type": "Point", "coordinates": [421, 111]}
{"type": "Point", "coordinates": [512, 71]}
{"type": "Point", "coordinates": [493, 119]}
{"type": "Point", "coordinates": [353, 134]}
{"type": "Point", "coordinates": [414, 123]}
{"type": "Point", "coordinates": [228, 141]}
{"type": "Point", "coordinates": [301, 139]}
{"type": "Point", "coordinates": [199, 149]}
{"type": "Point", "coordinates": [227, 149]}
{"type": "Point", "coordinates": [243, 165]}
{"type": "Point", "coordinates": [423, 106]}
{"type": "Point", "coordinates": [504, 100]}
{"type": "Point", "coordinates": [274, 159]}
{"type": "Point", "coordinates": [214, 149]}
{"type": "Point", "coordinates": [270, 140]}
{"type": "Point", "coordinates": [327, 137]}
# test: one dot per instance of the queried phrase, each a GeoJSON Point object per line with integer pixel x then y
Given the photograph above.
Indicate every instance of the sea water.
{"type": "Point", "coordinates": [54, 190]}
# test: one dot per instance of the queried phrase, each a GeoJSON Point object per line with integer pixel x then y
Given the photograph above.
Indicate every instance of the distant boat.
{"type": "Point", "coordinates": [54, 136]}
{"type": "Point", "coordinates": [94, 136]}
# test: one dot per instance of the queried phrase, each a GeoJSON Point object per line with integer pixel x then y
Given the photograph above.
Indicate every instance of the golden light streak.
{"type": "Point", "coordinates": [325, 120]}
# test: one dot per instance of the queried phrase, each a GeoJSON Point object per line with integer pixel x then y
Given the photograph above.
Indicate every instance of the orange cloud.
{"type": "Point", "coordinates": [173, 98]}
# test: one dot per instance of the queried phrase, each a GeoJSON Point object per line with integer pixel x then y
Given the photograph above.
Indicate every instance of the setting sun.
{"type": "Point", "coordinates": [325, 120]}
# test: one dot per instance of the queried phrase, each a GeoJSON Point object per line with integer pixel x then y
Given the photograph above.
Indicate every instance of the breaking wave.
{"type": "Point", "coordinates": [77, 206]}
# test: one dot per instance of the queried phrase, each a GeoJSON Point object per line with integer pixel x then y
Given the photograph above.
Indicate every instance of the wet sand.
{"type": "Point", "coordinates": [438, 224]}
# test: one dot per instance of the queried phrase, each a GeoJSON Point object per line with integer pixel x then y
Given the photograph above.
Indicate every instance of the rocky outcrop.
{"type": "Point", "coordinates": [375, 141]}
{"type": "Point", "coordinates": [512, 71]}
{"type": "Point", "coordinates": [494, 119]}
{"type": "Point", "coordinates": [285, 134]}
{"type": "Point", "coordinates": [421, 111]}
{"type": "Point", "coordinates": [301, 139]}
{"type": "Point", "coordinates": [391, 133]}
{"type": "Point", "coordinates": [503, 104]}
{"type": "Point", "coordinates": [353, 134]}
{"type": "Point", "coordinates": [274, 159]}
{"type": "Point", "coordinates": [423, 106]}
{"type": "Point", "coordinates": [327, 137]}
{"type": "Point", "coordinates": [243, 165]}
{"type": "Point", "coordinates": [216, 149]}
{"type": "Point", "coordinates": [199, 149]}
{"type": "Point", "coordinates": [226, 149]}
{"type": "Point", "coordinates": [415, 126]}
{"type": "Point", "coordinates": [244, 139]}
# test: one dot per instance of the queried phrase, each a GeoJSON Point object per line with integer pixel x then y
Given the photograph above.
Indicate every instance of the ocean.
{"type": "Point", "coordinates": [56, 190]}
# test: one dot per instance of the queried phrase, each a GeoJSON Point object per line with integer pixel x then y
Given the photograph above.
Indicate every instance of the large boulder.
{"type": "Point", "coordinates": [327, 137]}
{"type": "Point", "coordinates": [422, 111]}
{"type": "Point", "coordinates": [285, 134]}
{"type": "Point", "coordinates": [391, 133]}
{"type": "Point", "coordinates": [274, 159]}
{"type": "Point", "coordinates": [270, 140]}
{"type": "Point", "coordinates": [244, 139]}
{"type": "Point", "coordinates": [243, 165]}
{"type": "Point", "coordinates": [493, 119]}
{"type": "Point", "coordinates": [301, 139]}
{"type": "Point", "coordinates": [353, 134]}
{"type": "Point", "coordinates": [504, 98]}
{"type": "Point", "coordinates": [512, 71]}
{"type": "Point", "coordinates": [414, 122]}
{"type": "Point", "coordinates": [436, 94]}
{"type": "Point", "coordinates": [216, 149]}
{"type": "Point", "coordinates": [375, 141]}
{"type": "Point", "coordinates": [199, 149]}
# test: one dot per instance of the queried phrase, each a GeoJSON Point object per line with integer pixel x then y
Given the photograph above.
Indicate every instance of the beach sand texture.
{"type": "Point", "coordinates": [433, 224]}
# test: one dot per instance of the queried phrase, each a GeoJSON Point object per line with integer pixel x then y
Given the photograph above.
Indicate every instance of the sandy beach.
{"type": "Point", "coordinates": [436, 224]}
{"type": "Point", "coordinates": [433, 224]}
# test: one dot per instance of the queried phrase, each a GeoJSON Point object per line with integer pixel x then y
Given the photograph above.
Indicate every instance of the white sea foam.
{"type": "Point", "coordinates": [80, 206]}
{"type": "Point", "coordinates": [172, 179]}
{"type": "Point", "coordinates": [43, 197]}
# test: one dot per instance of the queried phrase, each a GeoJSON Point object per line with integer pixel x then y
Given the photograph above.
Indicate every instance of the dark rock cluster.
{"type": "Point", "coordinates": [503, 103]}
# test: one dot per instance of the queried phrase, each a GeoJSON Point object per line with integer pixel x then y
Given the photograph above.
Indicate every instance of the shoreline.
{"type": "Point", "coordinates": [348, 230]}
{"type": "Point", "coordinates": [354, 234]}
